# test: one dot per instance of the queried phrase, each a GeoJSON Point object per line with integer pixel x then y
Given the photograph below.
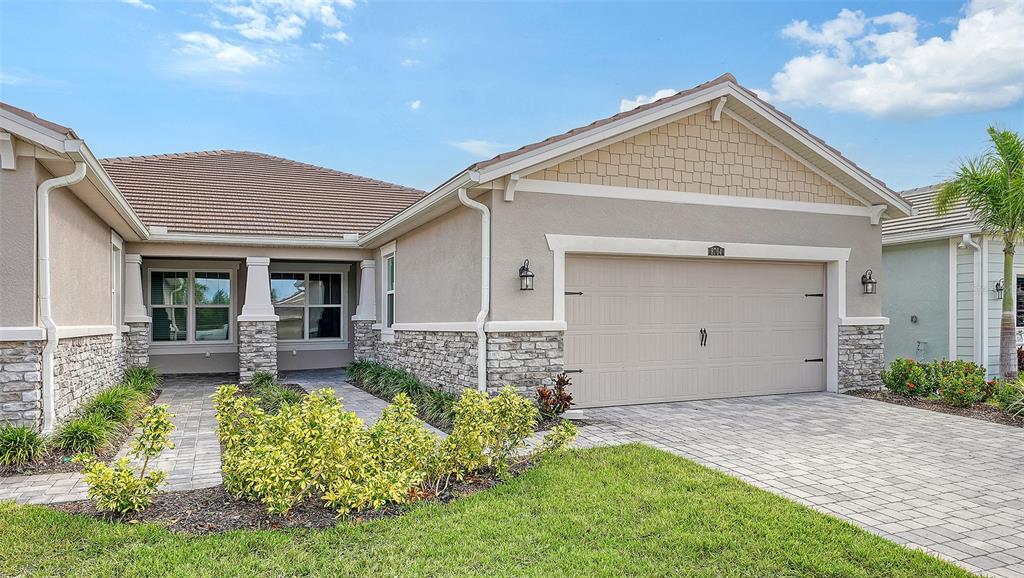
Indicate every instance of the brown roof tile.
{"type": "Point", "coordinates": [66, 131]}
{"type": "Point", "coordinates": [236, 192]}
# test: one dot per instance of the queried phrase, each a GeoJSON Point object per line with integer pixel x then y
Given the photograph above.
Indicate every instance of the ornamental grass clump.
{"type": "Point", "coordinates": [145, 380]}
{"type": "Point", "coordinates": [89, 433]}
{"type": "Point", "coordinates": [271, 394]}
{"type": "Point", "coordinates": [19, 445]}
{"type": "Point", "coordinates": [117, 488]}
{"type": "Point", "coordinates": [120, 404]}
{"type": "Point", "coordinates": [432, 404]}
{"type": "Point", "coordinates": [1009, 396]}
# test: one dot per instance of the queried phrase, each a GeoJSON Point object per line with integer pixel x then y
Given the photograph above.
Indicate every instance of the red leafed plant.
{"type": "Point", "coordinates": [553, 401]}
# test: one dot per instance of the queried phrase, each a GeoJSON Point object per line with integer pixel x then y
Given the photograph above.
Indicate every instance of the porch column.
{"type": "Point", "coordinates": [363, 337]}
{"type": "Point", "coordinates": [257, 325]}
{"type": "Point", "coordinates": [136, 317]}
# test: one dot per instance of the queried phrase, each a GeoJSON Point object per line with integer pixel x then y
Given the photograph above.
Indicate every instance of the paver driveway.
{"type": "Point", "coordinates": [951, 485]}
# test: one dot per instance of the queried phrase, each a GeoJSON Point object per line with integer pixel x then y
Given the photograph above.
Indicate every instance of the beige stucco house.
{"type": "Point", "coordinates": [700, 246]}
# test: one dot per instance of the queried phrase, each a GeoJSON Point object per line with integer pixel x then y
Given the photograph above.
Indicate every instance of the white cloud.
{"type": "Point", "coordinates": [629, 104]}
{"type": "Point", "coordinates": [880, 66]}
{"type": "Point", "coordinates": [139, 4]}
{"type": "Point", "coordinates": [284, 20]}
{"type": "Point", "coordinates": [22, 78]}
{"type": "Point", "coordinates": [210, 54]}
{"type": "Point", "coordinates": [416, 104]}
{"type": "Point", "coordinates": [479, 148]}
{"type": "Point", "coordinates": [409, 63]}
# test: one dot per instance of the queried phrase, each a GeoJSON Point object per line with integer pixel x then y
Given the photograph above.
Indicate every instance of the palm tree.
{"type": "Point", "coordinates": [992, 187]}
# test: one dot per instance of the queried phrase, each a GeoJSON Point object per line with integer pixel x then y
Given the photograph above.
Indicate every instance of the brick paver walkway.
{"type": "Point", "coordinates": [950, 485]}
{"type": "Point", "coordinates": [195, 461]}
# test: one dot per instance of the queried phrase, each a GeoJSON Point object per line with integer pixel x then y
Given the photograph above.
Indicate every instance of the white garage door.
{"type": "Point", "coordinates": [647, 330]}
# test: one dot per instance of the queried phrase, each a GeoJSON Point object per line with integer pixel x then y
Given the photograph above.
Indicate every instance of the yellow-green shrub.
{"type": "Point", "coordinates": [557, 439]}
{"type": "Point", "coordinates": [117, 488]}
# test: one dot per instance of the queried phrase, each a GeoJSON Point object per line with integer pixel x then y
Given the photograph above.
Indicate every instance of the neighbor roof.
{"type": "Point", "coordinates": [926, 223]}
{"type": "Point", "coordinates": [238, 192]}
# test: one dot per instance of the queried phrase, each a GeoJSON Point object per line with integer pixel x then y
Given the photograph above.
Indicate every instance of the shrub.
{"type": "Point", "coordinates": [905, 377]}
{"type": "Point", "coordinates": [1010, 397]}
{"type": "Point", "coordinates": [118, 404]}
{"type": "Point", "coordinates": [19, 445]}
{"type": "Point", "coordinates": [557, 439]}
{"type": "Point", "coordinates": [142, 379]}
{"type": "Point", "coordinates": [555, 401]}
{"type": "Point", "coordinates": [271, 394]}
{"type": "Point", "coordinates": [433, 405]}
{"type": "Point", "coordinates": [116, 488]}
{"type": "Point", "coordinates": [962, 388]}
{"type": "Point", "coordinates": [437, 407]}
{"type": "Point", "coordinates": [954, 368]}
{"type": "Point", "coordinates": [89, 433]}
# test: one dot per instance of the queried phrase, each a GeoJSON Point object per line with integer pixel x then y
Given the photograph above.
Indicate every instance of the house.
{"type": "Point", "coordinates": [945, 285]}
{"type": "Point", "coordinates": [704, 245]}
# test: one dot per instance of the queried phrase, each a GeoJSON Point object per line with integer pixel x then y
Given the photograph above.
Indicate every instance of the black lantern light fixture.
{"type": "Point", "coordinates": [868, 282]}
{"type": "Point", "coordinates": [998, 289]}
{"type": "Point", "coordinates": [525, 277]}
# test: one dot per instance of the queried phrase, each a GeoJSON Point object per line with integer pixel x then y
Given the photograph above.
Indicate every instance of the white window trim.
{"type": "Point", "coordinates": [834, 258]}
{"type": "Point", "coordinates": [191, 308]}
{"type": "Point", "coordinates": [389, 251]}
{"type": "Point", "coordinates": [336, 342]}
{"type": "Point", "coordinates": [116, 283]}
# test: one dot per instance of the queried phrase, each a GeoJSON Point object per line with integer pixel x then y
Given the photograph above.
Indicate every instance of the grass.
{"type": "Point", "coordinates": [616, 511]}
{"type": "Point", "coordinates": [19, 445]}
{"type": "Point", "coordinates": [272, 395]}
{"type": "Point", "coordinates": [434, 406]}
{"type": "Point", "coordinates": [89, 433]}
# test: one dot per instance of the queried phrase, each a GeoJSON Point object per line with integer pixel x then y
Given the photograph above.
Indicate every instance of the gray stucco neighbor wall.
{"type": "Point", "coordinates": [915, 282]}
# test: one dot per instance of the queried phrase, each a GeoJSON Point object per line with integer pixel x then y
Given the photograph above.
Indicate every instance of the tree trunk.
{"type": "Point", "coordinates": [1007, 339]}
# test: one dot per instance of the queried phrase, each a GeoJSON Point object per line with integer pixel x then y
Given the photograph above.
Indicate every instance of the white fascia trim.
{"type": "Point", "coordinates": [255, 240]}
{"type": "Point", "coordinates": [436, 326]}
{"type": "Point", "coordinates": [22, 334]}
{"type": "Point", "coordinates": [853, 321]}
{"type": "Point", "coordinates": [333, 345]}
{"type": "Point", "coordinates": [526, 325]}
{"type": "Point", "coordinates": [32, 131]}
{"type": "Point", "coordinates": [79, 151]}
{"type": "Point", "coordinates": [8, 159]}
{"type": "Point", "coordinates": [834, 258]}
{"type": "Point", "coordinates": [67, 331]}
{"type": "Point", "coordinates": [446, 191]}
{"type": "Point", "coordinates": [916, 236]}
{"type": "Point", "coordinates": [891, 197]}
{"type": "Point", "coordinates": [687, 198]}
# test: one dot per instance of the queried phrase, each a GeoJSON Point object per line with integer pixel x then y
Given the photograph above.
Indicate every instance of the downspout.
{"type": "Point", "coordinates": [485, 286]}
{"type": "Point", "coordinates": [43, 266]}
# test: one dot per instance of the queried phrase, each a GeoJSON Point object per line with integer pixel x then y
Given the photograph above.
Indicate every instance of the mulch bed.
{"type": "Point", "coordinates": [981, 411]}
{"type": "Point", "coordinates": [213, 510]}
{"type": "Point", "coordinates": [55, 461]}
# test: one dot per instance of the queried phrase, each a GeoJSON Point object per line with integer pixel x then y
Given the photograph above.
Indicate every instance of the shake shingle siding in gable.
{"type": "Point", "coordinates": [250, 193]}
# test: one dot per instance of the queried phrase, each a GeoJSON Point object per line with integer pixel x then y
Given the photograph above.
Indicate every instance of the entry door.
{"type": "Point", "coordinates": [635, 328]}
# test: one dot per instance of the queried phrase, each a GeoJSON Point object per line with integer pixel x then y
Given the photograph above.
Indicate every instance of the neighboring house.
{"type": "Point", "coordinates": [944, 284]}
{"type": "Point", "coordinates": [700, 246]}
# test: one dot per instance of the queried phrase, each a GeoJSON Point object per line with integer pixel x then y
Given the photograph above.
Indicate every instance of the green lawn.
{"type": "Point", "coordinates": [623, 511]}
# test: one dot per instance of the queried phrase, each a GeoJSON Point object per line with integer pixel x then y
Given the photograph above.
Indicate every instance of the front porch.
{"type": "Point", "coordinates": [190, 312]}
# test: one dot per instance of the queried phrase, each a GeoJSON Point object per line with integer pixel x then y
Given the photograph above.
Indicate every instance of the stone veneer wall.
{"type": "Point", "coordinates": [136, 345]}
{"type": "Point", "coordinates": [21, 383]}
{"type": "Point", "coordinates": [447, 359]}
{"type": "Point", "coordinates": [257, 348]}
{"type": "Point", "coordinates": [83, 367]}
{"type": "Point", "coordinates": [861, 356]}
{"type": "Point", "coordinates": [525, 359]}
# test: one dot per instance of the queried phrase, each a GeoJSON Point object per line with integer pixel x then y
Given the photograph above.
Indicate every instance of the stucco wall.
{"type": "Point", "coordinates": [437, 270]}
{"type": "Point", "coordinates": [520, 226]}
{"type": "Point", "coordinates": [79, 261]}
{"type": "Point", "coordinates": [697, 155]}
{"type": "Point", "coordinates": [17, 244]}
{"type": "Point", "coordinates": [915, 282]}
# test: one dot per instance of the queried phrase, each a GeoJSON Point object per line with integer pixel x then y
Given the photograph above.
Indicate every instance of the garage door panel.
{"type": "Point", "coordinates": [635, 330]}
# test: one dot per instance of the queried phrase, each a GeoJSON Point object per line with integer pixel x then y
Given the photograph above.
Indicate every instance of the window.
{"type": "Point", "coordinates": [1020, 300]}
{"type": "Point", "coordinates": [190, 306]}
{"type": "Point", "coordinates": [389, 291]}
{"type": "Point", "coordinates": [308, 304]}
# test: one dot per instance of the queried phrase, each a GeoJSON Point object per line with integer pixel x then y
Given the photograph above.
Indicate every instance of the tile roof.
{"type": "Point", "coordinates": [237, 192]}
{"type": "Point", "coordinates": [727, 77]}
{"type": "Point", "coordinates": [30, 116]}
{"type": "Point", "coordinates": [926, 221]}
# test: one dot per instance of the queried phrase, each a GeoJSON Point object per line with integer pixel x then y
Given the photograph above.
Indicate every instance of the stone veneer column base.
{"type": "Point", "coordinates": [21, 383]}
{"type": "Point", "coordinates": [257, 348]}
{"type": "Point", "coordinates": [83, 367]}
{"type": "Point", "coordinates": [136, 344]}
{"type": "Point", "coordinates": [524, 359]}
{"type": "Point", "coordinates": [861, 356]}
{"type": "Point", "coordinates": [364, 340]}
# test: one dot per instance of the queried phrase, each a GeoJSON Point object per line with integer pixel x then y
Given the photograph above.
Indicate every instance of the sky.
{"type": "Point", "coordinates": [412, 93]}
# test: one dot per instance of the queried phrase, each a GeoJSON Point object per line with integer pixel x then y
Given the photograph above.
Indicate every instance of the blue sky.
{"type": "Point", "coordinates": [414, 92]}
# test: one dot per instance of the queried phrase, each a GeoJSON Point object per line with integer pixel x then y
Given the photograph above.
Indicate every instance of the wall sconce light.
{"type": "Point", "coordinates": [870, 285]}
{"type": "Point", "coordinates": [525, 277]}
{"type": "Point", "coordinates": [999, 289]}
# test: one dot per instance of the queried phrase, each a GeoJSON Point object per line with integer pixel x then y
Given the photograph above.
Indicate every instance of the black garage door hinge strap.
{"type": "Point", "coordinates": [815, 360]}
{"type": "Point", "coordinates": [814, 294]}
{"type": "Point", "coordinates": [574, 292]}
{"type": "Point", "coordinates": [572, 371]}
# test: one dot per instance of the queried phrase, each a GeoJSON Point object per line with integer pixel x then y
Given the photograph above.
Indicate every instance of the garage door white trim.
{"type": "Point", "coordinates": [835, 259]}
